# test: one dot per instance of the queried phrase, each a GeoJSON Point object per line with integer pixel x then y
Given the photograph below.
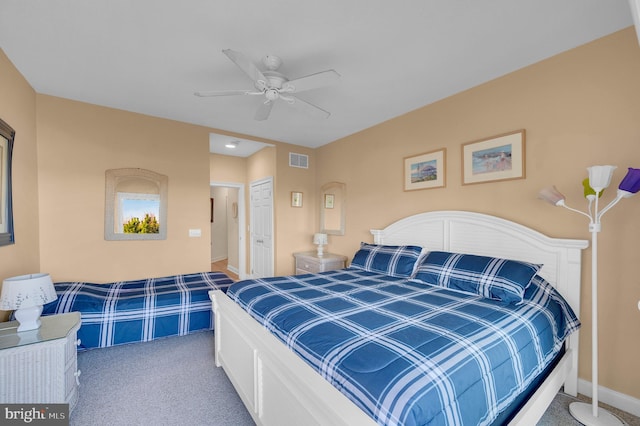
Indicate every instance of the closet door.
{"type": "Point", "coordinates": [262, 228]}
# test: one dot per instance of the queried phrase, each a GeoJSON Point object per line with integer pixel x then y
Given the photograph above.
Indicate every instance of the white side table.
{"type": "Point", "coordinates": [308, 262]}
{"type": "Point", "coordinates": [40, 366]}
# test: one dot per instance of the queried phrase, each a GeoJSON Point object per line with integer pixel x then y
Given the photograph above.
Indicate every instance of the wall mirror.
{"type": "Point", "coordinates": [135, 205]}
{"type": "Point", "coordinates": [7, 136]}
{"type": "Point", "coordinates": [333, 208]}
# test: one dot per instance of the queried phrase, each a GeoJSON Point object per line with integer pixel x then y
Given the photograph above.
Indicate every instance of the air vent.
{"type": "Point", "coordinates": [298, 160]}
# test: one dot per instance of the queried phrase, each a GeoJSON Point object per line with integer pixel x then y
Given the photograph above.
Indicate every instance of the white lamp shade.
{"type": "Point", "coordinates": [320, 238]}
{"type": "Point", "coordinates": [552, 196]}
{"type": "Point", "coordinates": [26, 291]}
{"type": "Point", "coordinates": [600, 176]}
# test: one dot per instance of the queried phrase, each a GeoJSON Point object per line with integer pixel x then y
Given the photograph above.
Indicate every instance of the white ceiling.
{"type": "Point", "coordinates": [149, 56]}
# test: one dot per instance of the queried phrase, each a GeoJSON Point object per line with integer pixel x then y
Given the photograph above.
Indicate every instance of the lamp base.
{"type": "Point", "coordinates": [320, 250]}
{"type": "Point", "coordinates": [29, 318]}
{"type": "Point", "coordinates": [583, 412]}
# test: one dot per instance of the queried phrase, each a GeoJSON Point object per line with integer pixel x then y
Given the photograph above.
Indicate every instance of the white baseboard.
{"type": "Point", "coordinates": [233, 269]}
{"type": "Point", "coordinates": [616, 399]}
{"type": "Point", "coordinates": [218, 259]}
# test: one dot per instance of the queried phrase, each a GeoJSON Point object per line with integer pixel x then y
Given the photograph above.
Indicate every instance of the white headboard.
{"type": "Point", "coordinates": [481, 234]}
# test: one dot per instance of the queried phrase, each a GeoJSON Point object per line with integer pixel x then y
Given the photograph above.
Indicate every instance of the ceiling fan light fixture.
{"type": "Point", "coordinates": [271, 94]}
{"type": "Point", "coordinates": [231, 144]}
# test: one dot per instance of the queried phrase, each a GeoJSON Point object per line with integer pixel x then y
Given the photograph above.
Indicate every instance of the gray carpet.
{"type": "Point", "coordinates": [174, 381]}
{"type": "Point", "coordinates": [171, 381]}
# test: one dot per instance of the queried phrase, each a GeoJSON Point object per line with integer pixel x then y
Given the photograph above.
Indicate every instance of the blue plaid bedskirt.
{"type": "Point", "coordinates": [139, 311]}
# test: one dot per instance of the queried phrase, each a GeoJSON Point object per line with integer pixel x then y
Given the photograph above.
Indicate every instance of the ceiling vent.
{"type": "Point", "coordinates": [298, 160]}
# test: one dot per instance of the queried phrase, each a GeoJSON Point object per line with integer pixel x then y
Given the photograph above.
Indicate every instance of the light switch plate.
{"type": "Point", "coordinates": [195, 233]}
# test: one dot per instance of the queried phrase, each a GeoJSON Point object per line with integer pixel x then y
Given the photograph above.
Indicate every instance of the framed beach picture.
{"type": "Point", "coordinates": [425, 171]}
{"type": "Point", "coordinates": [500, 157]}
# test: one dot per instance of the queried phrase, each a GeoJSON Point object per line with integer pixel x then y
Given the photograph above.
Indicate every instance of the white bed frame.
{"type": "Point", "coordinates": [278, 388]}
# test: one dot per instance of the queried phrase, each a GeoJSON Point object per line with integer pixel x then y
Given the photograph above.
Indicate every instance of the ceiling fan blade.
{"type": "Point", "coordinates": [248, 67]}
{"type": "Point", "coordinates": [264, 110]}
{"type": "Point", "coordinates": [323, 78]}
{"type": "Point", "coordinates": [227, 93]}
{"type": "Point", "coordinates": [308, 108]}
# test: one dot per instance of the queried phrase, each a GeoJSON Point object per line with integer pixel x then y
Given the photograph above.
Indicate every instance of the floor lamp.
{"type": "Point", "coordinates": [599, 179]}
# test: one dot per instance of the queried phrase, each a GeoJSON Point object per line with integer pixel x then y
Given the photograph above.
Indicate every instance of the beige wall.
{"type": "Point", "coordinates": [226, 168]}
{"type": "Point", "coordinates": [294, 225]}
{"type": "Point", "coordinates": [77, 142]}
{"type": "Point", "coordinates": [579, 108]}
{"type": "Point", "coordinates": [18, 109]}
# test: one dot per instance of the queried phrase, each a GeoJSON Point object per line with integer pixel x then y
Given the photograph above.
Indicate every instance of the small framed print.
{"type": "Point", "coordinates": [500, 157]}
{"type": "Point", "coordinates": [329, 201]}
{"type": "Point", "coordinates": [296, 199]}
{"type": "Point", "coordinates": [425, 171]}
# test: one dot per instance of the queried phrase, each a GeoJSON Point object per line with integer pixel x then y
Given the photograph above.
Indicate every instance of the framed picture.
{"type": "Point", "coordinates": [425, 171]}
{"type": "Point", "coordinates": [329, 201]}
{"type": "Point", "coordinates": [296, 199]}
{"type": "Point", "coordinates": [7, 135]}
{"type": "Point", "coordinates": [500, 157]}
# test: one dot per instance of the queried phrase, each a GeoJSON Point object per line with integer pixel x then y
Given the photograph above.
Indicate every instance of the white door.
{"type": "Point", "coordinates": [262, 228]}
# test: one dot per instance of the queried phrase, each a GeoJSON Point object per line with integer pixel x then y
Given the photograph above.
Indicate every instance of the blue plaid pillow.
{"type": "Point", "coordinates": [490, 277]}
{"type": "Point", "coordinates": [397, 261]}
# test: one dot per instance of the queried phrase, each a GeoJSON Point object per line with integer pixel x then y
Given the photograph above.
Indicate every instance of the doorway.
{"type": "Point", "coordinates": [227, 226]}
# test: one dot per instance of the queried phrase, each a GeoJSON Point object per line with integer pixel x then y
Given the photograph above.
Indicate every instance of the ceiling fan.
{"type": "Point", "coordinates": [273, 85]}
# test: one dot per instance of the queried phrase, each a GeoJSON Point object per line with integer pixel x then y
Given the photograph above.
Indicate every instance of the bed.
{"type": "Point", "coordinates": [139, 310]}
{"type": "Point", "coordinates": [285, 375]}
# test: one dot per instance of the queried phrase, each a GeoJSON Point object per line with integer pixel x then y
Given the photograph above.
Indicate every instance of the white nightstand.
{"type": "Point", "coordinates": [308, 262]}
{"type": "Point", "coordinates": [40, 366]}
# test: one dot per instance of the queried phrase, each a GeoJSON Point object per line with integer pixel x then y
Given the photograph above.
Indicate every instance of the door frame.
{"type": "Point", "coordinates": [242, 249]}
{"type": "Point", "coordinates": [273, 237]}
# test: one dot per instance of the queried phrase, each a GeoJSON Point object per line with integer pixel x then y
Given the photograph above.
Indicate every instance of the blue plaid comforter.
{"type": "Point", "coordinates": [409, 353]}
{"type": "Point", "coordinates": [139, 311]}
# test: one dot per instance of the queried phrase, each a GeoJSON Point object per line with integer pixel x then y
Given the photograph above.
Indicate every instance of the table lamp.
{"type": "Point", "coordinates": [321, 240]}
{"type": "Point", "coordinates": [26, 294]}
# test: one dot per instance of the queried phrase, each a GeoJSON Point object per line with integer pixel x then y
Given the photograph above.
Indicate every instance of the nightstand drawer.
{"type": "Point", "coordinates": [308, 266]}
{"type": "Point", "coordinates": [310, 263]}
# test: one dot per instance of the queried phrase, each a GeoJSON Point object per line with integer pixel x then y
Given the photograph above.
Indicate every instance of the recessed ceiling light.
{"type": "Point", "coordinates": [231, 144]}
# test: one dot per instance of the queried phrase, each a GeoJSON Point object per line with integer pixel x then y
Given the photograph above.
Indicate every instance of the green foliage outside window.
{"type": "Point", "coordinates": [149, 225]}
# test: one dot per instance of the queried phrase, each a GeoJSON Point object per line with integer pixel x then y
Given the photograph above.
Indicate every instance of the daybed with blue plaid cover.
{"type": "Point", "coordinates": [139, 311]}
